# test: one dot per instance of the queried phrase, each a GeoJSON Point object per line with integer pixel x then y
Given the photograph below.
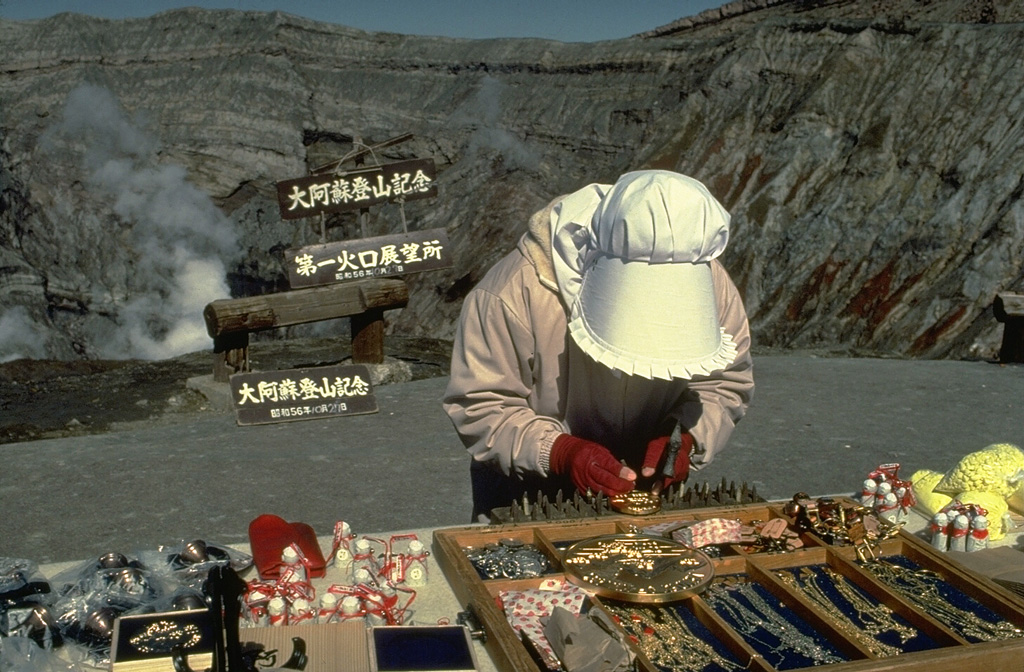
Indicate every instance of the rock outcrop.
{"type": "Point", "coordinates": [872, 162]}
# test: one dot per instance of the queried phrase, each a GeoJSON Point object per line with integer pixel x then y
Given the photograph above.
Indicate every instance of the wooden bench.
{"type": "Point", "coordinates": [230, 321]}
{"type": "Point", "coordinates": [1009, 309]}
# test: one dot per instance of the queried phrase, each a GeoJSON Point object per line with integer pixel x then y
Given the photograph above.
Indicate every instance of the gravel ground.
{"type": "Point", "coordinates": [45, 399]}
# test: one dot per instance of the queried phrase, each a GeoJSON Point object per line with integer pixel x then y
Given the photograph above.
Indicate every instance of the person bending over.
{"type": "Point", "coordinates": [610, 349]}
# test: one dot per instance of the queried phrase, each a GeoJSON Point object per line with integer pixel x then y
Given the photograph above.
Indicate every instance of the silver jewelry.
{"type": "Point", "coordinates": [760, 619]}
{"type": "Point", "coordinates": [508, 559]}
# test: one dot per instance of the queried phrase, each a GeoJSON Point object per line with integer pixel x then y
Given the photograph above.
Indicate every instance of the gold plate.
{"type": "Point", "coordinates": [638, 568]}
{"type": "Point", "coordinates": [636, 503]}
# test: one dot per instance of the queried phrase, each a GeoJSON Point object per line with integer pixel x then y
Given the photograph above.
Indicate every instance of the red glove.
{"type": "Point", "coordinates": [590, 465]}
{"type": "Point", "coordinates": [654, 461]}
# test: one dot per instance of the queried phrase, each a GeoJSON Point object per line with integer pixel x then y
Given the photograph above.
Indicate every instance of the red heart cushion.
{"type": "Point", "coordinates": [269, 535]}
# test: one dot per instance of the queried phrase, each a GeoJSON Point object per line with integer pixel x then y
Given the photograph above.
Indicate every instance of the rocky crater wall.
{"type": "Point", "coordinates": [872, 163]}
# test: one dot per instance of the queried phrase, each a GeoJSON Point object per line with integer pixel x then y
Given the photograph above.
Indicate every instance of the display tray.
{"type": "Point", "coordinates": [817, 606]}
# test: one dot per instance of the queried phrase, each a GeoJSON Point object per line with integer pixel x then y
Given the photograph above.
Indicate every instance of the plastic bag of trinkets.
{"type": "Point", "coordinates": [86, 623]}
{"type": "Point", "coordinates": [21, 654]}
{"type": "Point", "coordinates": [88, 598]}
{"type": "Point", "coordinates": [19, 579]}
{"type": "Point", "coordinates": [189, 562]}
{"type": "Point", "coordinates": [508, 559]}
{"type": "Point", "coordinates": [24, 598]}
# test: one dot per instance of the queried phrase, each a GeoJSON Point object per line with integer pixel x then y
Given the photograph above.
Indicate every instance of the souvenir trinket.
{"type": "Point", "coordinates": [194, 552]}
{"type": "Point", "coordinates": [351, 609]}
{"type": "Point", "coordinates": [341, 551]}
{"type": "Point", "coordinates": [508, 559]}
{"type": "Point", "coordinates": [328, 608]}
{"type": "Point", "coordinates": [939, 530]}
{"type": "Point", "coordinates": [415, 564]}
{"type": "Point", "coordinates": [841, 525]}
{"type": "Point", "coordinates": [99, 624]}
{"type": "Point", "coordinates": [764, 623]}
{"type": "Point", "coordinates": [636, 503]}
{"type": "Point", "coordinates": [958, 533]}
{"type": "Point", "coordinates": [187, 602]}
{"type": "Point", "coordinates": [277, 611]}
{"type": "Point", "coordinates": [112, 561]}
{"type": "Point", "coordinates": [978, 538]}
{"type": "Point", "coordinates": [638, 568]}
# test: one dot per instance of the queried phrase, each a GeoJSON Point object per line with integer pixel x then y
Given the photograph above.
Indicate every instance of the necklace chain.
{"type": "Point", "coordinates": [663, 636]}
{"type": "Point", "coordinates": [760, 617]}
{"type": "Point", "coordinates": [872, 618]}
{"type": "Point", "coordinates": [921, 587]}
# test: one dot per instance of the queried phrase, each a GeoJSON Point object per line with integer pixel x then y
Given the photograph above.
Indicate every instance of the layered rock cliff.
{"type": "Point", "coordinates": [872, 162]}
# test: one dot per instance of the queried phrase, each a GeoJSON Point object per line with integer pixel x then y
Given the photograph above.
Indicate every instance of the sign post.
{"type": "Point", "coordinates": [302, 394]}
{"type": "Point", "coordinates": [356, 189]}
{"type": "Point", "coordinates": [306, 394]}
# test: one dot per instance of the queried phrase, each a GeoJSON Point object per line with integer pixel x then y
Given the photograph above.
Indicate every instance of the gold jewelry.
{"type": "Point", "coordinates": [760, 619]}
{"type": "Point", "coordinates": [921, 586]}
{"type": "Point", "coordinates": [636, 503]}
{"type": "Point", "coordinates": [663, 636]}
{"type": "Point", "coordinates": [637, 568]}
{"type": "Point", "coordinates": [874, 618]}
{"type": "Point", "coordinates": [164, 636]}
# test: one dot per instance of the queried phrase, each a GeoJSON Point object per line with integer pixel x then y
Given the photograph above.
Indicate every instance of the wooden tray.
{"type": "Point", "coordinates": [951, 651]}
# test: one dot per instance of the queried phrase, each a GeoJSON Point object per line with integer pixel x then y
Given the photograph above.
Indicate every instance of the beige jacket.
{"type": "Point", "coordinates": [518, 381]}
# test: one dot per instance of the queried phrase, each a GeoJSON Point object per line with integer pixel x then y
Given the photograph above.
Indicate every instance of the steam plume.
{"type": "Point", "coordinates": [483, 113]}
{"type": "Point", "coordinates": [180, 242]}
{"type": "Point", "coordinates": [20, 337]}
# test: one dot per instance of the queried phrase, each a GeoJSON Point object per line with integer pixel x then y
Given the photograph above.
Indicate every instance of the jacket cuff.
{"type": "Point", "coordinates": [544, 453]}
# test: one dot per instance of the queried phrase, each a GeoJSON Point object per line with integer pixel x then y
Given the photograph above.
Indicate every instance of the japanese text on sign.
{"type": "Point", "coordinates": [304, 389]}
{"type": "Point", "coordinates": [302, 394]}
{"type": "Point", "coordinates": [368, 258]}
{"type": "Point", "coordinates": [351, 190]}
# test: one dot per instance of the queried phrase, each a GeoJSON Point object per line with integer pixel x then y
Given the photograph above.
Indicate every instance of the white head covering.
{"type": "Point", "coordinates": [633, 265]}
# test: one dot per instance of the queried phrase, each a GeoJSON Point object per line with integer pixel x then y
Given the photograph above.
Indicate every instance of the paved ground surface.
{"type": "Point", "coordinates": [817, 424]}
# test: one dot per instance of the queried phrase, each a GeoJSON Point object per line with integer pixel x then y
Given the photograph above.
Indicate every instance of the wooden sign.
{"type": "Point", "coordinates": [378, 257]}
{"type": "Point", "coordinates": [301, 394]}
{"type": "Point", "coordinates": [340, 191]}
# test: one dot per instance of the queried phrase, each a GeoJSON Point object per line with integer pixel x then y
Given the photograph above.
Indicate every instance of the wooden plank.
{"type": "Point", "coordinates": [1009, 309]}
{"type": "Point", "coordinates": [300, 306]}
{"type": "Point", "coordinates": [230, 355]}
{"type": "Point", "coordinates": [989, 656]}
{"type": "Point", "coordinates": [368, 337]}
{"type": "Point", "coordinates": [1008, 306]}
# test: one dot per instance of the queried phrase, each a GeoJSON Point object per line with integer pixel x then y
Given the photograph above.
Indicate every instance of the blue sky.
{"type": "Point", "coordinates": [565, 20]}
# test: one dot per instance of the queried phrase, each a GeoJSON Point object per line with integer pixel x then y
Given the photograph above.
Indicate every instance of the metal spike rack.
{"type": "Point", "coordinates": [589, 505]}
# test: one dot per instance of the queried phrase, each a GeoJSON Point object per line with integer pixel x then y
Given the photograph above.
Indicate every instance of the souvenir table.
{"type": "Point", "coordinates": [825, 601]}
{"type": "Point", "coordinates": [720, 633]}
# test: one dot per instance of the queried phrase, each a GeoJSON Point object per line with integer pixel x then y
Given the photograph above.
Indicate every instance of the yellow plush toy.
{"type": "Point", "coordinates": [993, 504]}
{"type": "Point", "coordinates": [997, 469]}
{"type": "Point", "coordinates": [1016, 499]}
{"type": "Point", "coordinates": [928, 502]}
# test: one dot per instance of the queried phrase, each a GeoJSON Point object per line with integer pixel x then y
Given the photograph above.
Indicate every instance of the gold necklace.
{"type": "Point", "coordinates": [875, 616]}
{"type": "Point", "coordinates": [921, 587]}
{"type": "Point", "coordinates": [870, 624]}
{"type": "Point", "coordinates": [663, 636]}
